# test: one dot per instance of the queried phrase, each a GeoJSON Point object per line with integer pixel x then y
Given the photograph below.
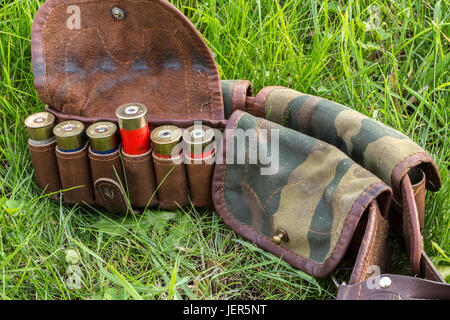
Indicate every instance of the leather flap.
{"type": "Point", "coordinates": [112, 196]}
{"type": "Point", "coordinates": [87, 62]}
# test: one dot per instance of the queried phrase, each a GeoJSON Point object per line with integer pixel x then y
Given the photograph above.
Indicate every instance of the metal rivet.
{"type": "Point", "coordinates": [281, 235]}
{"type": "Point", "coordinates": [118, 13]}
{"type": "Point", "coordinates": [385, 282]}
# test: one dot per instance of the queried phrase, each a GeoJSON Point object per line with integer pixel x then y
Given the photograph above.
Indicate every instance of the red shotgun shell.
{"type": "Point", "coordinates": [134, 128]}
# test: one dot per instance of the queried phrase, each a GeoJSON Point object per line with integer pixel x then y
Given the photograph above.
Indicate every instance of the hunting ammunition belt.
{"type": "Point", "coordinates": [118, 181]}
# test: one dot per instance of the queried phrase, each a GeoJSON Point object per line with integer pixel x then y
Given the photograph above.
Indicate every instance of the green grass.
{"type": "Point", "coordinates": [397, 73]}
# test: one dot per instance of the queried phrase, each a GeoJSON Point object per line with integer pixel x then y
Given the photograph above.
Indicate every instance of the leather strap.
{"type": "Point", "coordinates": [428, 270]}
{"type": "Point", "coordinates": [390, 286]}
{"type": "Point", "coordinates": [411, 225]}
{"type": "Point", "coordinates": [374, 248]}
{"type": "Point", "coordinates": [418, 182]}
{"type": "Point", "coordinates": [396, 287]}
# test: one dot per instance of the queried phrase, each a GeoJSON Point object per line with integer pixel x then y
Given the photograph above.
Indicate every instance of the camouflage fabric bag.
{"type": "Point", "coordinates": [385, 152]}
{"type": "Point", "coordinates": [316, 196]}
{"type": "Point", "coordinates": [343, 179]}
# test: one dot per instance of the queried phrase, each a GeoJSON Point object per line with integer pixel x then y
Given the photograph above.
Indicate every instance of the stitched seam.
{"type": "Point", "coordinates": [186, 83]}
{"type": "Point", "coordinates": [356, 202]}
{"type": "Point", "coordinates": [359, 292]}
{"type": "Point", "coordinates": [43, 150]}
{"type": "Point", "coordinates": [410, 229]}
{"type": "Point", "coordinates": [211, 62]}
{"type": "Point", "coordinates": [404, 160]}
{"type": "Point", "coordinates": [44, 31]}
{"type": "Point", "coordinates": [137, 161]}
{"type": "Point", "coordinates": [71, 158]}
{"type": "Point", "coordinates": [100, 35]}
{"type": "Point", "coordinates": [256, 142]}
{"type": "Point", "coordinates": [419, 189]}
{"type": "Point", "coordinates": [383, 151]}
{"type": "Point", "coordinates": [371, 250]}
{"type": "Point", "coordinates": [103, 160]}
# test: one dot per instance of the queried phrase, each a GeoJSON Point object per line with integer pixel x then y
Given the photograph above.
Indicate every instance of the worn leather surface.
{"type": "Point", "coordinates": [200, 173]}
{"type": "Point", "coordinates": [411, 225]}
{"type": "Point", "coordinates": [75, 172]}
{"type": "Point", "coordinates": [402, 288]}
{"type": "Point", "coordinates": [140, 180]}
{"type": "Point", "coordinates": [374, 248]}
{"type": "Point", "coordinates": [428, 270]}
{"type": "Point", "coordinates": [111, 196]}
{"type": "Point", "coordinates": [418, 181]}
{"type": "Point", "coordinates": [45, 166]}
{"type": "Point", "coordinates": [172, 184]}
{"type": "Point", "coordinates": [91, 70]}
{"type": "Point", "coordinates": [106, 166]}
{"type": "Point", "coordinates": [259, 104]}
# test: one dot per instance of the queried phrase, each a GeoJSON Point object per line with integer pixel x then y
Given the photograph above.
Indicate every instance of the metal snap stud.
{"type": "Point", "coordinates": [385, 282]}
{"type": "Point", "coordinates": [281, 236]}
{"type": "Point", "coordinates": [118, 13]}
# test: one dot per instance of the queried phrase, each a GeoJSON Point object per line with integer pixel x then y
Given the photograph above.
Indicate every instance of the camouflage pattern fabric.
{"type": "Point", "coordinates": [376, 147]}
{"type": "Point", "coordinates": [234, 95]}
{"type": "Point", "coordinates": [227, 95]}
{"type": "Point", "coordinates": [317, 196]}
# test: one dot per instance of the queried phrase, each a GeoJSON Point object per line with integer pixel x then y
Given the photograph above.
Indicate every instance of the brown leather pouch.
{"type": "Point", "coordinates": [45, 166]}
{"type": "Point", "coordinates": [122, 52]}
{"type": "Point", "coordinates": [75, 173]}
{"type": "Point", "coordinates": [171, 182]}
{"type": "Point", "coordinates": [140, 180]}
{"type": "Point", "coordinates": [148, 53]}
{"type": "Point", "coordinates": [200, 173]}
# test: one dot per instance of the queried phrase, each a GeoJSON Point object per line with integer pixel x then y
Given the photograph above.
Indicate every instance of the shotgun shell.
{"type": "Point", "coordinates": [198, 142]}
{"type": "Point", "coordinates": [134, 128]}
{"type": "Point", "coordinates": [69, 136]}
{"type": "Point", "coordinates": [103, 137]}
{"type": "Point", "coordinates": [164, 139]}
{"type": "Point", "coordinates": [40, 126]}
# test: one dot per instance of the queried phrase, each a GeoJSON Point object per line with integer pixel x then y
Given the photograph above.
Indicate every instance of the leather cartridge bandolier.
{"type": "Point", "coordinates": [343, 180]}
